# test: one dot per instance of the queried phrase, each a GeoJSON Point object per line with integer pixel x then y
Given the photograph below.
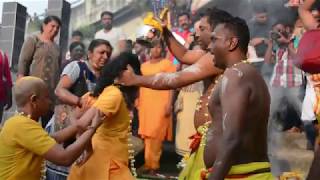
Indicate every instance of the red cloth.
{"type": "Point", "coordinates": [184, 34]}
{"type": "Point", "coordinates": [308, 55]}
{"type": "Point", "coordinates": [4, 74]}
{"type": "Point", "coordinates": [195, 143]}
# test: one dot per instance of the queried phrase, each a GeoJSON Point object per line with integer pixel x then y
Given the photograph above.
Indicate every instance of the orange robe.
{"type": "Point", "coordinates": [109, 160]}
{"type": "Point", "coordinates": [152, 104]}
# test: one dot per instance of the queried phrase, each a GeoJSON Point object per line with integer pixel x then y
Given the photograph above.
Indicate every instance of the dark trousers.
{"type": "Point", "coordinates": [46, 118]}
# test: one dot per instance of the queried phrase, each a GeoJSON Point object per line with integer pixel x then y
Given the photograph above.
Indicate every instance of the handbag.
{"type": "Point", "coordinates": [308, 54]}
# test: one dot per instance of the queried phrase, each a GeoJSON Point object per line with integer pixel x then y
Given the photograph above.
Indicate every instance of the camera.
{"type": "Point", "coordinates": [275, 35]}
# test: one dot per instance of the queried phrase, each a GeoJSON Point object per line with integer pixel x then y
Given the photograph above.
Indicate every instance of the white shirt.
{"type": "Point", "coordinates": [113, 36]}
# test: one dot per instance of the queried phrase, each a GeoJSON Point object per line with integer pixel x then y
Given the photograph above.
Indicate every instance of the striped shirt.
{"type": "Point", "coordinates": [285, 74]}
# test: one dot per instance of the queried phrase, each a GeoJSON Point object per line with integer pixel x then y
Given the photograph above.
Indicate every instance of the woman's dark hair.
{"type": "Point", "coordinates": [112, 70]}
{"type": "Point", "coordinates": [48, 19]}
{"type": "Point", "coordinates": [97, 42]}
{"type": "Point", "coordinates": [75, 44]}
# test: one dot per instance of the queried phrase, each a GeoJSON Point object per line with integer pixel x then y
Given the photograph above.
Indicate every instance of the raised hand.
{"type": "Point", "coordinates": [127, 77]}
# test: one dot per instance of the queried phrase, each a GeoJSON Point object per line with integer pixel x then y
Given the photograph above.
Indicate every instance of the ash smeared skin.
{"type": "Point", "coordinates": [224, 83]}
{"type": "Point", "coordinates": [224, 121]}
{"type": "Point", "coordinates": [217, 163]}
{"type": "Point", "coordinates": [240, 73]}
{"type": "Point", "coordinates": [192, 69]}
{"type": "Point", "coordinates": [167, 78]}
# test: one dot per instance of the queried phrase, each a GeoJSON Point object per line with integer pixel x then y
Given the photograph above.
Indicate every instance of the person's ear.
{"type": "Point", "coordinates": [89, 54]}
{"type": "Point", "coordinates": [233, 43]}
{"type": "Point", "coordinates": [33, 99]}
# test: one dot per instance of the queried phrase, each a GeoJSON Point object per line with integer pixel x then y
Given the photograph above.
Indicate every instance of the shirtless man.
{"type": "Point", "coordinates": [239, 107]}
{"type": "Point", "coordinates": [202, 65]}
{"type": "Point", "coordinates": [201, 60]}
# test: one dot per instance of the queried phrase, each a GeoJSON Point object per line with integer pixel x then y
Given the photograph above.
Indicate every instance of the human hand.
{"type": "Point", "coordinates": [257, 41]}
{"type": "Point", "coordinates": [127, 77]}
{"type": "Point", "coordinates": [164, 17]}
{"type": "Point", "coordinates": [283, 39]}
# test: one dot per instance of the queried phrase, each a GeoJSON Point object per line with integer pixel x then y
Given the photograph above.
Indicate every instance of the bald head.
{"type": "Point", "coordinates": [26, 87]}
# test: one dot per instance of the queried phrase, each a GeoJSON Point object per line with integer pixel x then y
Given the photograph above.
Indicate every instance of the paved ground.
{"type": "Point", "coordinates": [294, 151]}
{"type": "Point", "coordinates": [168, 163]}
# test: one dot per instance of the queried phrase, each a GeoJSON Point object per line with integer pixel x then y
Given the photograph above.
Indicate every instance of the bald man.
{"type": "Point", "coordinates": [25, 145]}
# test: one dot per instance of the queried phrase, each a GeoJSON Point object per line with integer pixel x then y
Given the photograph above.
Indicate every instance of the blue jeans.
{"type": "Point", "coordinates": [55, 175]}
{"type": "Point", "coordinates": [311, 132]}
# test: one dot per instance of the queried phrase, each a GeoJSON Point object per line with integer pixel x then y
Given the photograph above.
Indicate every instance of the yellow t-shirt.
{"type": "Point", "coordinates": [111, 102]}
{"type": "Point", "coordinates": [22, 145]}
{"type": "Point", "coordinates": [110, 143]}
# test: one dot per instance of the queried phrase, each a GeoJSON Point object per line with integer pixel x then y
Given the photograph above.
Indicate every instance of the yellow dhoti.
{"type": "Point", "coordinates": [195, 163]}
{"type": "Point", "coordinates": [250, 171]}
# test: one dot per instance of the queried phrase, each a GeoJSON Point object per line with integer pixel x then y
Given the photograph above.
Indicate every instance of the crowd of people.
{"type": "Point", "coordinates": [233, 87]}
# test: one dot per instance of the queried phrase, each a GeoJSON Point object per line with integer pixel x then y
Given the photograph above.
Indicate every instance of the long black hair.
{"type": "Point", "coordinates": [112, 70]}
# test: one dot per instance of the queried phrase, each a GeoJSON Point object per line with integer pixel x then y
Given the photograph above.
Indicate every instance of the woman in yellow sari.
{"type": "Point", "coordinates": [107, 158]}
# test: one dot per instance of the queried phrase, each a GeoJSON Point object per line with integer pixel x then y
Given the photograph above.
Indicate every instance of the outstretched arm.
{"type": "Point", "coordinates": [58, 155]}
{"type": "Point", "coordinates": [81, 124]}
{"type": "Point", "coordinates": [306, 16]}
{"type": "Point", "coordinates": [184, 55]}
{"type": "Point", "coordinates": [234, 97]}
{"type": "Point", "coordinates": [163, 81]}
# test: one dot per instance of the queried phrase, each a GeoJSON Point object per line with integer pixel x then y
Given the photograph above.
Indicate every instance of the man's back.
{"type": "Point", "coordinates": [257, 115]}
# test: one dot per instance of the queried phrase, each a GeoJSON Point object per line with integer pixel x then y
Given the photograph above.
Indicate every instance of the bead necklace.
{"type": "Point", "coordinates": [131, 149]}
{"type": "Point", "coordinates": [201, 108]}
{"type": "Point", "coordinates": [43, 164]}
{"type": "Point", "coordinates": [23, 114]}
{"type": "Point", "coordinates": [205, 172]}
{"type": "Point", "coordinates": [207, 124]}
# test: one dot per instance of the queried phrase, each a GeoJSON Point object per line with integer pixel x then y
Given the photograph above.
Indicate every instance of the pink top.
{"type": "Point", "coordinates": [5, 76]}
